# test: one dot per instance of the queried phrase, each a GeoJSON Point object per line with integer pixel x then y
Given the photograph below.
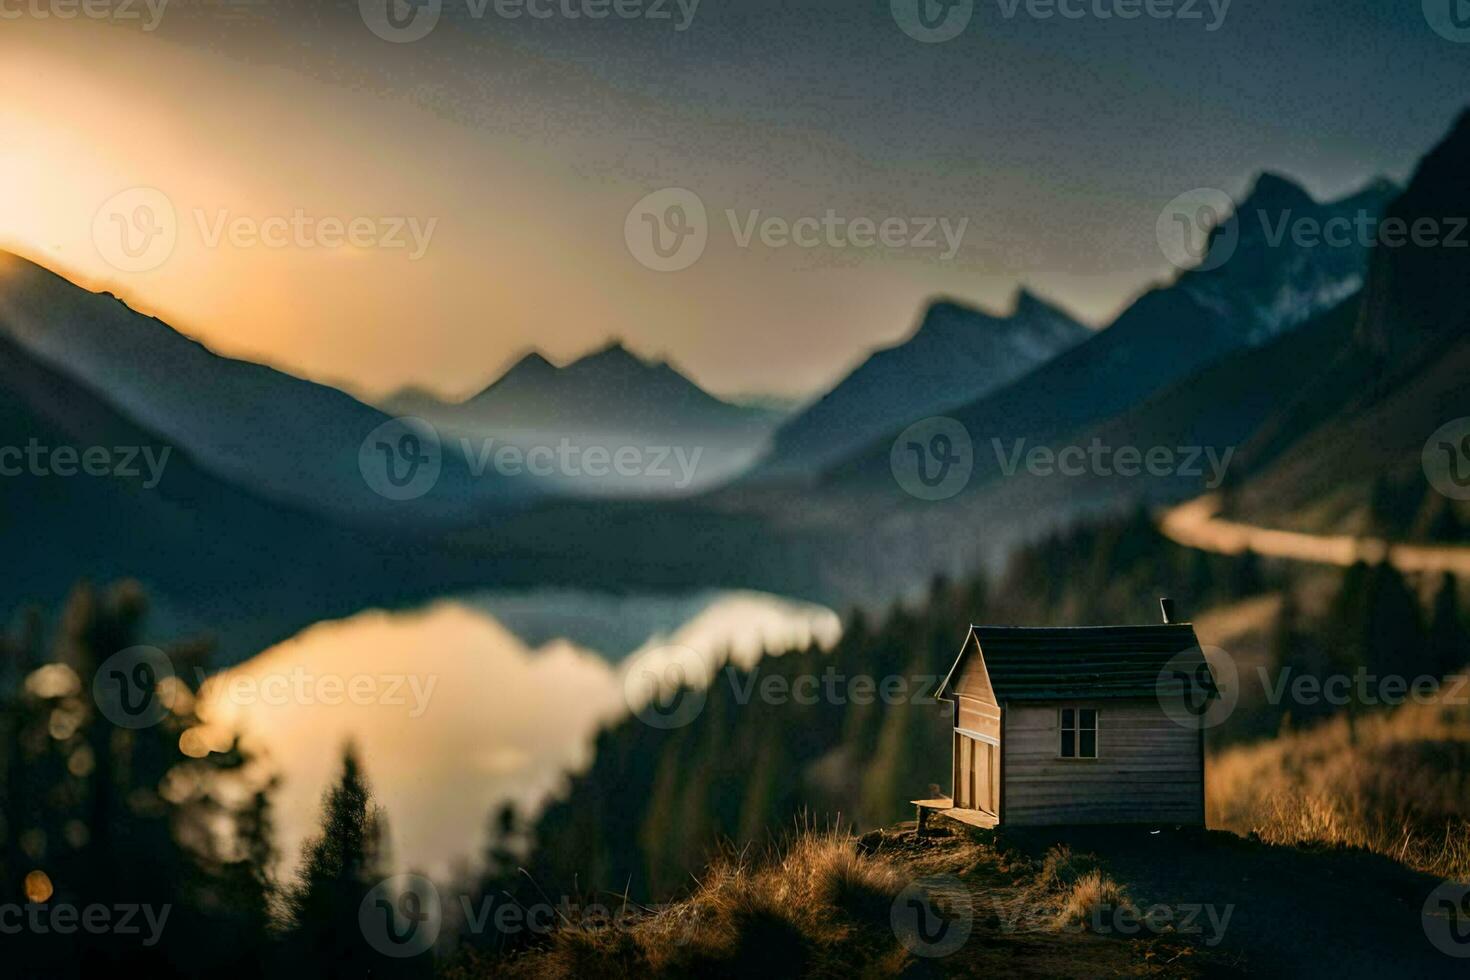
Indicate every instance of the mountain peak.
{"type": "Point", "coordinates": [1029, 303]}
{"type": "Point", "coordinates": [1461, 130]}
{"type": "Point", "coordinates": [945, 306]}
{"type": "Point", "coordinates": [532, 360]}
{"type": "Point", "coordinates": [613, 353]}
{"type": "Point", "coordinates": [1274, 190]}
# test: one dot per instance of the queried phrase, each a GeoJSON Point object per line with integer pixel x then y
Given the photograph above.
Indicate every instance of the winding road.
{"type": "Point", "coordinates": [1195, 525]}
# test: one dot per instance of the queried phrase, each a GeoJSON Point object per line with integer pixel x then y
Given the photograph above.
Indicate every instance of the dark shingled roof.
{"type": "Point", "coordinates": [1055, 663]}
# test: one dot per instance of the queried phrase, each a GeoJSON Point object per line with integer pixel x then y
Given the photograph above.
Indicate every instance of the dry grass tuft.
{"type": "Point", "coordinates": [805, 908]}
{"type": "Point", "coordinates": [1396, 783]}
{"type": "Point", "coordinates": [1093, 895]}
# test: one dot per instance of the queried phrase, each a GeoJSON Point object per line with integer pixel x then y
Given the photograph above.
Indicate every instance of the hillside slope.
{"type": "Point", "coordinates": [210, 552]}
{"type": "Point", "coordinates": [962, 903]}
{"type": "Point", "coordinates": [956, 355]}
{"type": "Point", "coordinates": [276, 435]}
{"type": "Point", "coordinates": [1361, 424]}
{"type": "Point", "coordinates": [1259, 290]}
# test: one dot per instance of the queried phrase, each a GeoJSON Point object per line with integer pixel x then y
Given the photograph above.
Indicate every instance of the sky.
{"type": "Point", "coordinates": [297, 183]}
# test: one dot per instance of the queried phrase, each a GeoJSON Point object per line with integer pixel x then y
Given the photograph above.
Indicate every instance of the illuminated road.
{"type": "Point", "coordinates": [1195, 525]}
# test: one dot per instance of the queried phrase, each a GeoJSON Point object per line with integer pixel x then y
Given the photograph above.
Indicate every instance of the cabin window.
{"type": "Point", "coordinates": [1079, 733]}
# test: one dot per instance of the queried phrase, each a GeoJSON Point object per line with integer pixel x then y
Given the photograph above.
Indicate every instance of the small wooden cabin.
{"type": "Point", "coordinates": [1086, 725]}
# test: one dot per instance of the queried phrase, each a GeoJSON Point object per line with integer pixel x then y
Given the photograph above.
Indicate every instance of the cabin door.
{"type": "Point", "coordinates": [975, 774]}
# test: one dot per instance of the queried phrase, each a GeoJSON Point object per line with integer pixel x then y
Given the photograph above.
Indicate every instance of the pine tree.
{"type": "Point", "coordinates": [339, 867]}
{"type": "Point", "coordinates": [1448, 643]}
{"type": "Point", "coordinates": [1394, 638]}
{"type": "Point", "coordinates": [1347, 621]}
{"type": "Point", "coordinates": [83, 803]}
{"type": "Point", "coordinates": [1296, 655]}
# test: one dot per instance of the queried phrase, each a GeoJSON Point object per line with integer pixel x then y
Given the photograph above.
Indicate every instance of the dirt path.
{"type": "Point", "coordinates": [1275, 910]}
{"type": "Point", "coordinates": [1195, 525]}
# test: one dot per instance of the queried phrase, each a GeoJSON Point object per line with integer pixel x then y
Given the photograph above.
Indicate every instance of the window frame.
{"type": "Point", "coordinates": [1075, 730]}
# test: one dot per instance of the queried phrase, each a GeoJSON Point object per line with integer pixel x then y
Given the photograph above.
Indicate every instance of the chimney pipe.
{"type": "Point", "coordinates": [1166, 606]}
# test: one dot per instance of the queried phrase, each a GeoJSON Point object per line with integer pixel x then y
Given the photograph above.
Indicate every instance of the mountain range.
{"type": "Point", "coordinates": [281, 437]}
{"type": "Point", "coordinates": [1265, 286]}
{"type": "Point", "coordinates": [609, 398]}
{"type": "Point", "coordinates": [957, 354]}
{"type": "Point", "coordinates": [1353, 434]}
{"type": "Point", "coordinates": [1324, 367]}
{"type": "Point", "coordinates": [611, 391]}
{"type": "Point", "coordinates": [209, 552]}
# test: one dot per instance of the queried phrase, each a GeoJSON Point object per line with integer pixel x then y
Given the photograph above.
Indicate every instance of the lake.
{"type": "Point", "coordinates": [471, 701]}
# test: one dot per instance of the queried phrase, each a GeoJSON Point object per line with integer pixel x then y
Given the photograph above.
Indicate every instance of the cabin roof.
{"type": "Point", "coordinates": [1081, 662]}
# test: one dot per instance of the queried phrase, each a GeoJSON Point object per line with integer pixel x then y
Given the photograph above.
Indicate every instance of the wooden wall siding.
{"type": "Point", "coordinates": [1148, 768]}
{"type": "Point", "coordinates": [973, 682]}
{"type": "Point", "coordinates": [978, 717]}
